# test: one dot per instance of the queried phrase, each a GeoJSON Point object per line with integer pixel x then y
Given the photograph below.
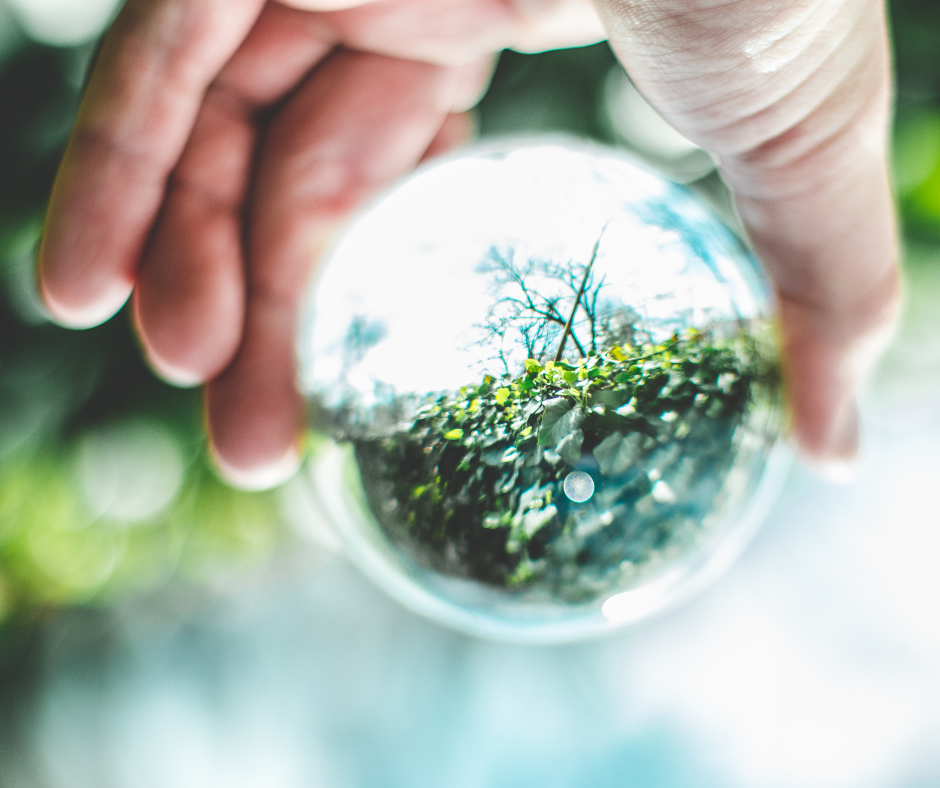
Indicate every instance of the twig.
{"type": "Point", "coordinates": [577, 300]}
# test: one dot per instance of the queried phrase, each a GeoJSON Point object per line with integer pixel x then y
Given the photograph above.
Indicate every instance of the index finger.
{"type": "Point", "coordinates": [155, 65]}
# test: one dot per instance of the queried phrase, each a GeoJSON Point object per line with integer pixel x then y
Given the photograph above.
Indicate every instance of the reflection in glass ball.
{"type": "Point", "coordinates": [579, 486]}
{"type": "Point", "coordinates": [550, 388]}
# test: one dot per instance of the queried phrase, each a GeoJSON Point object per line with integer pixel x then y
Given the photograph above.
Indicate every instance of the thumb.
{"type": "Point", "coordinates": [792, 97]}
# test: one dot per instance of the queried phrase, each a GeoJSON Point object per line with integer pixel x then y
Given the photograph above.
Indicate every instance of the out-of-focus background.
{"type": "Point", "coordinates": [159, 629]}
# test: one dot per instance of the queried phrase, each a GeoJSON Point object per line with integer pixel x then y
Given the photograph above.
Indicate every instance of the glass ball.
{"type": "Point", "coordinates": [546, 389]}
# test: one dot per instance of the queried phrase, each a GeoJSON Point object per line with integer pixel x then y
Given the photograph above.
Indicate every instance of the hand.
{"type": "Point", "coordinates": [792, 97]}
{"type": "Point", "coordinates": [221, 142]}
{"type": "Point", "coordinates": [219, 145]}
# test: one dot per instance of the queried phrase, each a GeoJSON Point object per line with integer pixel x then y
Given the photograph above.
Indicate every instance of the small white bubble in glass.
{"type": "Point", "coordinates": [579, 486]}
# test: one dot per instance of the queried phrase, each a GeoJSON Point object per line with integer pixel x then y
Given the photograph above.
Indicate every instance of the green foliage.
{"type": "Point", "coordinates": [57, 387]}
{"type": "Point", "coordinates": [55, 550]}
{"type": "Point", "coordinates": [477, 481]}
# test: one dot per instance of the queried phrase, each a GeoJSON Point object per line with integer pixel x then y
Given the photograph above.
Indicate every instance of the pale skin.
{"type": "Point", "coordinates": [221, 143]}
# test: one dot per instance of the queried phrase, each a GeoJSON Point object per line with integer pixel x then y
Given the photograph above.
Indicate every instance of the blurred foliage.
{"type": "Point", "coordinates": [558, 91]}
{"type": "Point", "coordinates": [60, 389]}
{"type": "Point", "coordinates": [916, 29]}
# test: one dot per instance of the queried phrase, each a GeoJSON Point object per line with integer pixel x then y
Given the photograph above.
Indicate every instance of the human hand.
{"type": "Point", "coordinates": [797, 123]}
{"type": "Point", "coordinates": [793, 100]}
{"type": "Point", "coordinates": [219, 145]}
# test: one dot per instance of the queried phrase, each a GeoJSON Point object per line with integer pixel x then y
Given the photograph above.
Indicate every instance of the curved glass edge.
{"type": "Point", "coordinates": [334, 477]}
{"type": "Point", "coordinates": [632, 605]}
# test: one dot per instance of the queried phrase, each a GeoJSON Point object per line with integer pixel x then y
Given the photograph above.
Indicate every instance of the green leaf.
{"type": "Point", "coordinates": [567, 424]}
{"type": "Point", "coordinates": [569, 448]}
{"type": "Point", "coordinates": [619, 354]}
{"type": "Point", "coordinates": [554, 410]}
{"type": "Point", "coordinates": [532, 365]}
{"type": "Point", "coordinates": [616, 453]}
{"type": "Point", "coordinates": [454, 435]}
{"type": "Point", "coordinates": [494, 455]}
{"type": "Point", "coordinates": [502, 395]}
{"type": "Point", "coordinates": [609, 398]}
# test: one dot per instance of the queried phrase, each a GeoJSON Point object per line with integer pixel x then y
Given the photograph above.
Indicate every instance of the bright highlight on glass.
{"type": "Point", "coordinates": [549, 382]}
{"type": "Point", "coordinates": [579, 486]}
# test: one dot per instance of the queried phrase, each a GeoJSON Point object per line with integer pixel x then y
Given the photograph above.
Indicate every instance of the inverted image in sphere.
{"type": "Point", "coordinates": [550, 391]}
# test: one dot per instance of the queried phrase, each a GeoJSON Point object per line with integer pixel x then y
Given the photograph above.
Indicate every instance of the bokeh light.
{"type": "Point", "coordinates": [64, 22]}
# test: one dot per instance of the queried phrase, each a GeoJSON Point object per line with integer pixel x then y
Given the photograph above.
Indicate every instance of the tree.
{"type": "Point", "coordinates": [535, 299]}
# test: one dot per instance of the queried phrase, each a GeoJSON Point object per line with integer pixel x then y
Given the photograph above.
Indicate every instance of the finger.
{"type": "Point", "coordinates": [556, 24]}
{"type": "Point", "coordinates": [359, 122]}
{"type": "Point", "coordinates": [824, 366]}
{"type": "Point", "coordinates": [457, 32]}
{"type": "Point", "coordinates": [324, 5]}
{"type": "Point", "coordinates": [457, 130]}
{"type": "Point", "coordinates": [459, 126]}
{"type": "Point", "coordinates": [816, 202]}
{"type": "Point", "coordinates": [190, 294]}
{"type": "Point", "coordinates": [838, 296]}
{"type": "Point", "coordinates": [142, 100]}
{"type": "Point", "coordinates": [189, 300]}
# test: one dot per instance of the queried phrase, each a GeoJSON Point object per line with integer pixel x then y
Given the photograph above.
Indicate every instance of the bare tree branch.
{"type": "Point", "coordinates": [539, 304]}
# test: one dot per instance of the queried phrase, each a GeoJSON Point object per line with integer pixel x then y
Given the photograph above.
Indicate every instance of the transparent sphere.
{"type": "Point", "coordinates": [548, 392]}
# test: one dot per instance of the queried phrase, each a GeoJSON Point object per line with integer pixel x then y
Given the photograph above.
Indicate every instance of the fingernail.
{"type": "Point", "coordinates": [260, 477]}
{"type": "Point", "coordinates": [837, 460]}
{"type": "Point", "coordinates": [175, 376]}
{"type": "Point", "coordinates": [843, 440]}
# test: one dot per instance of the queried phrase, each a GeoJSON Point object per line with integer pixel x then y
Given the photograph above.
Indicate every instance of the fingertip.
{"type": "Point", "coordinates": [71, 312]}
{"type": "Point", "coordinates": [72, 296]}
{"type": "Point", "coordinates": [457, 129]}
{"type": "Point", "coordinates": [260, 476]}
{"type": "Point", "coordinates": [256, 417]}
{"type": "Point", "coordinates": [175, 376]}
{"type": "Point", "coordinates": [830, 469]}
{"type": "Point", "coordinates": [824, 369]}
{"type": "Point", "coordinates": [189, 301]}
{"type": "Point", "coordinates": [832, 455]}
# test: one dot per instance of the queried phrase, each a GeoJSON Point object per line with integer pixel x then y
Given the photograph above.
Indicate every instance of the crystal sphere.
{"type": "Point", "coordinates": [545, 389]}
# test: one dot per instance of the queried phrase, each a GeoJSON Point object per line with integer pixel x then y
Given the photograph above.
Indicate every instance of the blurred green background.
{"type": "Point", "coordinates": [105, 489]}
